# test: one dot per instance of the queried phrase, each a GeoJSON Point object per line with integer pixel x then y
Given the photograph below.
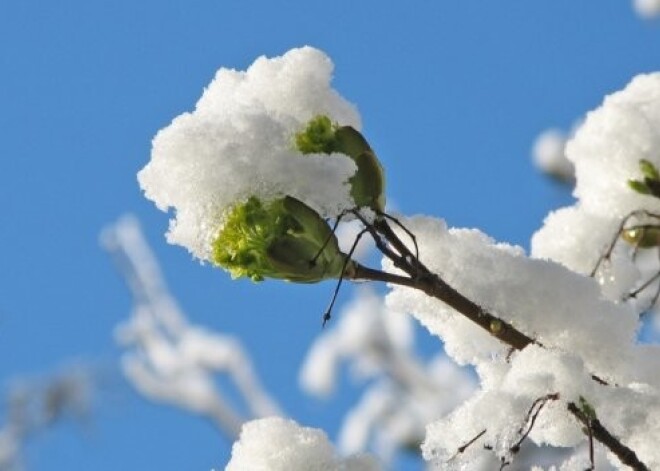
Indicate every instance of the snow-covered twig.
{"type": "Point", "coordinates": [169, 359]}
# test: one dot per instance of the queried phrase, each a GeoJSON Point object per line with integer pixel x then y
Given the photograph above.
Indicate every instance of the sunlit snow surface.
{"type": "Point", "coordinates": [276, 444]}
{"type": "Point", "coordinates": [582, 332]}
{"type": "Point", "coordinates": [606, 151]}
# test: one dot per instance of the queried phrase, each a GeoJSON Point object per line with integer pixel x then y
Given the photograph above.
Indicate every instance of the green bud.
{"type": "Point", "coordinates": [587, 409]}
{"type": "Point", "coordinates": [496, 326]}
{"type": "Point", "coordinates": [643, 237]}
{"type": "Point", "coordinates": [639, 187]}
{"type": "Point", "coordinates": [368, 183]}
{"type": "Point", "coordinates": [279, 239]}
{"type": "Point", "coordinates": [651, 183]}
{"type": "Point", "coordinates": [649, 170]}
{"type": "Point", "coordinates": [318, 137]}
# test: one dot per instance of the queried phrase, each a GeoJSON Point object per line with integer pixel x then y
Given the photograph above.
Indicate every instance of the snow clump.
{"type": "Point", "coordinates": [277, 444]}
{"type": "Point", "coordinates": [240, 142]}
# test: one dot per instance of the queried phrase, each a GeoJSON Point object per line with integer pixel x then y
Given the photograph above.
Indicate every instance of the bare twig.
{"type": "Point", "coordinates": [600, 433]}
{"type": "Point", "coordinates": [532, 415]}
{"type": "Point", "coordinates": [462, 448]}
{"type": "Point", "coordinates": [403, 228]}
{"type": "Point", "coordinates": [328, 312]}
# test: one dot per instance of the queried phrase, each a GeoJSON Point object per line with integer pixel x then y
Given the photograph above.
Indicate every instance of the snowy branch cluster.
{"type": "Point", "coordinates": [582, 376]}
{"type": "Point", "coordinates": [169, 360]}
{"type": "Point", "coordinates": [34, 405]}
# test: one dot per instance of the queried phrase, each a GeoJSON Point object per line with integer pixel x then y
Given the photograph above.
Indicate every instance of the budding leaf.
{"type": "Point", "coordinates": [649, 170]}
{"type": "Point", "coordinates": [651, 183]}
{"type": "Point", "coordinates": [282, 239]}
{"type": "Point", "coordinates": [368, 183]}
{"type": "Point", "coordinates": [653, 187]}
{"type": "Point", "coordinates": [318, 137]}
{"type": "Point", "coordinates": [639, 187]}
{"type": "Point", "coordinates": [587, 409]}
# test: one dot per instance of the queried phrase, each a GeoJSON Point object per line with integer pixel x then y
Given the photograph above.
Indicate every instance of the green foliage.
{"type": "Point", "coordinates": [318, 137]}
{"type": "Point", "coordinates": [649, 170]}
{"type": "Point", "coordinates": [651, 183]}
{"type": "Point", "coordinates": [587, 409]}
{"type": "Point", "coordinates": [639, 187]}
{"type": "Point", "coordinates": [279, 239]}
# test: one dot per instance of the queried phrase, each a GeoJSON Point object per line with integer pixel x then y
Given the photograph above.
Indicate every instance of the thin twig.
{"type": "Point", "coordinates": [328, 312]}
{"type": "Point", "coordinates": [530, 419]}
{"type": "Point", "coordinates": [403, 228]}
{"type": "Point", "coordinates": [328, 238]}
{"type": "Point", "coordinates": [462, 448]}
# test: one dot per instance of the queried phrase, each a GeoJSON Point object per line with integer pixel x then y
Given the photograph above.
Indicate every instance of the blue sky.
{"type": "Point", "coordinates": [452, 95]}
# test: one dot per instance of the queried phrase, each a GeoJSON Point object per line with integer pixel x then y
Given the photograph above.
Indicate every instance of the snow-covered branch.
{"type": "Point", "coordinates": [169, 359]}
{"type": "Point", "coordinates": [272, 154]}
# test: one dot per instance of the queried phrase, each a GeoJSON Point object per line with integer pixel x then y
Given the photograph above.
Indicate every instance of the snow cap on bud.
{"type": "Point", "coordinates": [322, 136]}
{"type": "Point", "coordinates": [239, 142]}
{"type": "Point", "coordinates": [283, 239]}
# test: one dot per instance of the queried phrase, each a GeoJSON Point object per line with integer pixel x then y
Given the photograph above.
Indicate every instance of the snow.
{"type": "Point", "coordinates": [239, 142]}
{"type": "Point", "coordinates": [607, 148]}
{"type": "Point", "coordinates": [276, 444]}
{"type": "Point", "coordinates": [606, 151]}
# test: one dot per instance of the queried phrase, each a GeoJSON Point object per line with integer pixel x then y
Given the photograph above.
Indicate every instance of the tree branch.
{"type": "Point", "coordinates": [421, 278]}
{"type": "Point", "coordinates": [600, 433]}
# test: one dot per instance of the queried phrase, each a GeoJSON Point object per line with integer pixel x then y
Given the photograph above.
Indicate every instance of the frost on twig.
{"type": "Point", "coordinates": [167, 358]}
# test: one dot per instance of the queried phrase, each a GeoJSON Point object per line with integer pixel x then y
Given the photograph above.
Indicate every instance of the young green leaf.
{"type": "Point", "coordinates": [649, 170]}
{"type": "Point", "coordinates": [322, 136]}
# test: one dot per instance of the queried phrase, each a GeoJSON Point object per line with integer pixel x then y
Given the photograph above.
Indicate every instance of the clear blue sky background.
{"type": "Point", "coordinates": [452, 95]}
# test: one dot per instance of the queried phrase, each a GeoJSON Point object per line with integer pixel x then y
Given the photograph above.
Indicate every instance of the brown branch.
{"type": "Point", "coordinates": [600, 433]}
{"type": "Point", "coordinates": [461, 449]}
{"type": "Point", "coordinates": [530, 419]}
{"type": "Point", "coordinates": [421, 278]}
{"type": "Point", "coordinates": [434, 286]}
